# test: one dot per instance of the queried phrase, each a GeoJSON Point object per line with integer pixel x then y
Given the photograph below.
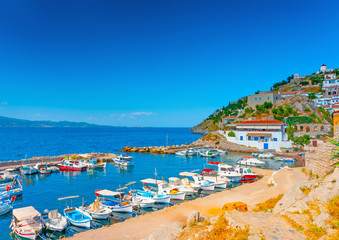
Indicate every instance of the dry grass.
{"type": "Point", "coordinates": [220, 230]}
{"type": "Point", "coordinates": [268, 204]}
{"type": "Point", "coordinates": [333, 209]}
{"type": "Point", "coordinates": [305, 190]}
{"type": "Point", "coordinates": [314, 232]}
{"type": "Point", "coordinates": [294, 224]}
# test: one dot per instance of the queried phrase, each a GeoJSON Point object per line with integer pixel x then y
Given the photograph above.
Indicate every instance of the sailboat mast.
{"type": "Point", "coordinates": [156, 183]}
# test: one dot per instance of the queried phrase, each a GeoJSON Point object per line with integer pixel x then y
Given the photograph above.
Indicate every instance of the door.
{"type": "Point", "coordinates": [265, 145]}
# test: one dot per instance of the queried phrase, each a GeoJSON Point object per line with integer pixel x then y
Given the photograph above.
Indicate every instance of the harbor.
{"type": "Point", "coordinates": [48, 188]}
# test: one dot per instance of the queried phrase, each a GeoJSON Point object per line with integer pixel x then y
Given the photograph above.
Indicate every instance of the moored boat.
{"type": "Point", "coordinates": [107, 199]}
{"type": "Point", "coordinates": [27, 170]}
{"type": "Point", "coordinates": [250, 161]}
{"type": "Point", "coordinates": [54, 221]}
{"type": "Point", "coordinates": [42, 168]}
{"type": "Point", "coordinates": [96, 210]}
{"type": "Point", "coordinates": [123, 160]}
{"type": "Point", "coordinates": [71, 165]}
{"type": "Point", "coordinates": [26, 222]}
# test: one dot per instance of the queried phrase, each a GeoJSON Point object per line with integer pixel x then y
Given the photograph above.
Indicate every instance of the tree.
{"type": "Point", "coordinates": [312, 96]}
{"type": "Point", "coordinates": [231, 134]}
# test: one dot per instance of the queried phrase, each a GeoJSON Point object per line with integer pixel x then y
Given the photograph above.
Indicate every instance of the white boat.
{"type": "Point", "coordinates": [228, 171]}
{"type": "Point", "coordinates": [265, 155]}
{"type": "Point", "coordinates": [162, 188]}
{"type": "Point", "coordinates": [162, 199]}
{"type": "Point", "coordinates": [27, 170]}
{"type": "Point", "coordinates": [138, 201]}
{"type": "Point", "coordinates": [6, 176]}
{"type": "Point", "coordinates": [96, 210]}
{"type": "Point", "coordinates": [284, 159]}
{"type": "Point", "coordinates": [250, 161]}
{"type": "Point", "coordinates": [211, 175]}
{"type": "Point", "coordinates": [210, 153]}
{"type": "Point", "coordinates": [94, 163]}
{"type": "Point", "coordinates": [123, 160]}
{"type": "Point", "coordinates": [54, 221]}
{"type": "Point", "coordinates": [42, 168]}
{"type": "Point", "coordinates": [247, 174]}
{"type": "Point", "coordinates": [113, 204]}
{"type": "Point", "coordinates": [75, 216]}
{"type": "Point", "coordinates": [178, 183]}
{"type": "Point", "coordinates": [203, 184]}
{"type": "Point", "coordinates": [26, 223]}
{"type": "Point", "coordinates": [186, 152]}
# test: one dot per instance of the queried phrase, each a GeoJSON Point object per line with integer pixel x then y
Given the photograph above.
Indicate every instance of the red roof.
{"type": "Point", "coordinates": [231, 117]}
{"type": "Point", "coordinates": [262, 122]}
{"type": "Point", "coordinates": [335, 112]}
{"type": "Point", "coordinates": [323, 65]}
{"type": "Point", "coordinates": [335, 106]}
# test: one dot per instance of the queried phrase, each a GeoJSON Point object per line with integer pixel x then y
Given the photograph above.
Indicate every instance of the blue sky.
{"type": "Point", "coordinates": [154, 63]}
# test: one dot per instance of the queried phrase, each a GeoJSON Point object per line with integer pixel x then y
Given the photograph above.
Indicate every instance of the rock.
{"type": "Point", "coordinates": [167, 233]}
{"type": "Point", "coordinates": [320, 221]}
{"type": "Point", "coordinates": [193, 217]}
{"type": "Point", "coordinates": [289, 199]}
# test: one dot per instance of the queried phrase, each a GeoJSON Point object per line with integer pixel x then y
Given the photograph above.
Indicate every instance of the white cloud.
{"type": "Point", "coordinates": [132, 114]}
{"type": "Point", "coordinates": [141, 113]}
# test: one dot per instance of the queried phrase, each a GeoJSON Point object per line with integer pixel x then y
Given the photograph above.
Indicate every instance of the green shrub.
{"type": "Point", "coordinates": [307, 109]}
{"type": "Point", "coordinates": [304, 83]}
{"type": "Point", "coordinates": [231, 134]}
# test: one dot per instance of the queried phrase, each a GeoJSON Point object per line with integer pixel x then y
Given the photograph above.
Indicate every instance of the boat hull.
{"type": "Point", "coordinates": [71, 215]}
{"type": "Point", "coordinates": [32, 235]}
{"type": "Point", "coordinates": [57, 225]}
{"type": "Point", "coordinates": [71, 169]}
{"type": "Point", "coordinates": [220, 185]}
{"type": "Point", "coordinates": [178, 196]}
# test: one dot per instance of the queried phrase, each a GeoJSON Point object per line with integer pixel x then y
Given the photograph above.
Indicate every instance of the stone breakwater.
{"type": "Point", "coordinates": [50, 160]}
{"type": "Point", "coordinates": [160, 150]}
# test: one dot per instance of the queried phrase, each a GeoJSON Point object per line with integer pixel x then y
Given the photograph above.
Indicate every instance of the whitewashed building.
{"type": "Point", "coordinates": [263, 135]}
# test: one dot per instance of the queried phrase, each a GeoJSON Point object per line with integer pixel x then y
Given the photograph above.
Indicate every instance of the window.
{"type": "Point", "coordinates": [255, 99]}
{"type": "Point", "coordinates": [260, 99]}
{"type": "Point", "coordinates": [268, 98]}
{"type": "Point", "coordinates": [256, 139]}
{"type": "Point", "coordinates": [275, 139]}
{"type": "Point", "coordinates": [241, 138]}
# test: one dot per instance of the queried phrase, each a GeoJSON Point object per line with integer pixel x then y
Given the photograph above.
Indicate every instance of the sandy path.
{"type": "Point", "coordinates": [142, 226]}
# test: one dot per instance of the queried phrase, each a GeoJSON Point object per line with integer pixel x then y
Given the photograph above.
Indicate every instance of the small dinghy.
{"type": "Point", "coordinates": [97, 211]}
{"type": "Point", "coordinates": [54, 221]}
{"type": "Point", "coordinates": [114, 205]}
{"type": "Point", "coordinates": [6, 206]}
{"type": "Point", "coordinates": [42, 168]}
{"type": "Point", "coordinates": [76, 216]}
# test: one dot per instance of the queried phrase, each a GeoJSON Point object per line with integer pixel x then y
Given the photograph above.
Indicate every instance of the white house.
{"type": "Point", "coordinates": [330, 83]}
{"type": "Point", "coordinates": [323, 68]}
{"type": "Point", "coordinates": [330, 76]}
{"type": "Point", "coordinates": [264, 134]}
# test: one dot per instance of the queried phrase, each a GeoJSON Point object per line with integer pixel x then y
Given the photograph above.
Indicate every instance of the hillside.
{"type": "Point", "coordinates": [294, 109]}
{"type": "Point", "coordinates": [13, 122]}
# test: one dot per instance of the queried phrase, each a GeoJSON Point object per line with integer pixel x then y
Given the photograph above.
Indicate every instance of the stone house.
{"type": "Point", "coordinates": [331, 91]}
{"type": "Point", "coordinates": [312, 129]}
{"type": "Point", "coordinates": [262, 97]}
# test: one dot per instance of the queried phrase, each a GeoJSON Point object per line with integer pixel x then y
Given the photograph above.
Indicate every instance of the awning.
{"type": "Point", "coordinates": [258, 127]}
{"type": "Point", "coordinates": [152, 181]}
{"type": "Point", "coordinates": [258, 134]}
{"type": "Point", "coordinates": [106, 192]}
{"type": "Point", "coordinates": [25, 213]}
{"type": "Point", "coordinates": [187, 174]}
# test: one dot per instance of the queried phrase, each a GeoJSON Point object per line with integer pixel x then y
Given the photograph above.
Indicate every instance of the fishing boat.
{"type": "Point", "coordinates": [27, 170]}
{"type": "Point", "coordinates": [116, 205]}
{"type": "Point", "coordinates": [179, 184]}
{"type": "Point", "coordinates": [157, 198]}
{"type": "Point", "coordinates": [6, 206]}
{"type": "Point", "coordinates": [123, 160]}
{"type": "Point", "coordinates": [96, 210]}
{"type": "Point", "coordinates": [42, 168]}
{"type": "Point", "coordinates": [75, 216]}
{"type": "Point", "coordinates": [203, 184]}
{"type": "Point", "coordinates": [285, 159]}
{"type": "Point", "coordinates": [186, 152]}
{"type": "Point", "coordinates": [54, 221]}
{"type": "Point", "coordinates": [136, 200]}
{"type": "Point", "coordinates": [26, 222]}
{"type": "Point", "coordinates": [225, 170]}
{"type": "Point", "coordinates": [7, 176]}
{"type": "Point", "coordinates": [94, 163]}
{"type": "Point", "coordinates": [162, 188]}
{"type": "Point", "coordinates": [211, 175]}
{"type": "Point", "coordinates": [265, 155]}
{"type": "Point", "coordinates": [247, 174]}
{"type": "Point", "coordinates": [15, 189]}
{"type": "Point", "coordinates": [71, 165]}
{"type": "Point", "coordinates": [250, 161]}
{"type": "Point", "coordinates": [209, 154]}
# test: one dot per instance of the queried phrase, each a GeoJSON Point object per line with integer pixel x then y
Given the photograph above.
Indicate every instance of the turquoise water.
{"type": "Point", "coordinates": [43, 191]}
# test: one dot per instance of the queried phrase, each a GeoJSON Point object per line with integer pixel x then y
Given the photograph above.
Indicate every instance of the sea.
{"type": "Point", "coordinates": [43, 191]}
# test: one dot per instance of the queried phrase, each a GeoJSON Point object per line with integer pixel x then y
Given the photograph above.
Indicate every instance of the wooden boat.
{"type": "Point", "coordinates": [211, 175]}
{"type": "Point", "coordinates": [123, 160]}
{"type": "Point", "coordinates": [178, 183]}
{"type": "Point", "coordinates": [186, 152]}
{"type": "Point", "coordinates": [162, 188]}
{"type": "Point", "coordinates": [54, 221]}
{"type": "Point", "coordinates": [71, 165]}
{"type": "Point", "coordinates": [285, 159]}
{"type": "Point", "coordinates": [162, 199]}
{"type": "Point", "coordinates": [137, 201]}
{"type": "Point", "coordinates": [42, 168]}
{"type": "Point", "coordinates": [27, 170]}
{"type": "Point", "coordinates": [6, 206]}
{"type": "Point", "coordinates": [94, 163]}
{"type": "Point", "coordinates": [26, 223]}
{"type": "Point", "coordinates": [10, 192]}
{"type": "Point", "coordinates": [209, 154]}
{"type": "Point", "coordinates": [6, 176]}
{"type": "Point", "coordinates": [96, 210]}
{"type": "Point", "coordinates": [76, 216]}
{"type": "Point", "coordinates": [115, 205]}
{"type": "Point", "coordinates": [204, 185]}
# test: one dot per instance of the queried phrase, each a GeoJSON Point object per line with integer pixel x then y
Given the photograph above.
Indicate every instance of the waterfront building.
{"type": "Point", "coordinates": [262, 97]}
{"type": "Point", "coordinates": [263, 134]}
{"type": "Point", "coordinates": [329, 76]}
{"type": "Point", "coordinates": [336, 122]}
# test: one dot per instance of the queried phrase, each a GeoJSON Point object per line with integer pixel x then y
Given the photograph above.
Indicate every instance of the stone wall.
{"type": "Point", "coordinates": [320, 162]}
{"type": "Point", "coordinates": [312, 129]}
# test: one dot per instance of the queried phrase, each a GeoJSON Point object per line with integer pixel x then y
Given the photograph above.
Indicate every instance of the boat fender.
{"type": "Point", "coordinates": [130, 194]}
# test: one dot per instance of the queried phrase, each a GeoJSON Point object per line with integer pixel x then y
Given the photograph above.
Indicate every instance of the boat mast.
{"type": "Point", "coordinates": [156, 183]}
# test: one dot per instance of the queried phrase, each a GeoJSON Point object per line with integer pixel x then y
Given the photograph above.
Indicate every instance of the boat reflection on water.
{"type": "Point", "coordinates": [70, 174]}
{"type": "Point", "coordinates": [123, 169]}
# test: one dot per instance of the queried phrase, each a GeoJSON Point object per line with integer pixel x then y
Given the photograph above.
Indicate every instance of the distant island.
{"type": "Point", "coordinates": [14, 122]}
